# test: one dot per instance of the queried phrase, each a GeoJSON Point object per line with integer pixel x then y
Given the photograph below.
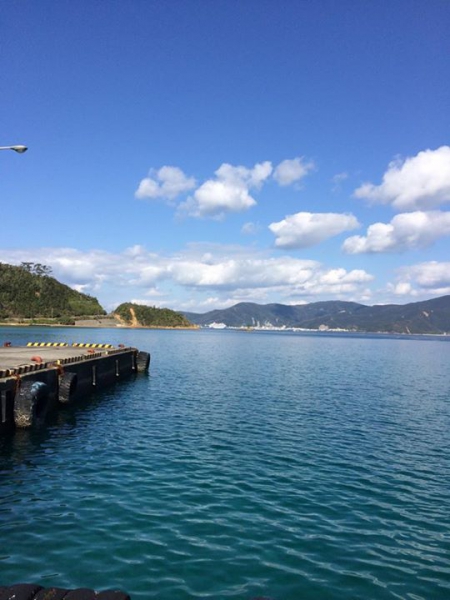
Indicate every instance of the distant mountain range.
{"type": "Point", "coordinates": [429, 316]}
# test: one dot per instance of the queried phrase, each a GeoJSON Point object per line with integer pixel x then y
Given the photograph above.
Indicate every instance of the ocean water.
{"type": "Point", "coordinates": [289, 466]}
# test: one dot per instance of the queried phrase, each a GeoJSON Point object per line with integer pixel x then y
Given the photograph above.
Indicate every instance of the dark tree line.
{"type": "Point", "coordinates": [36, 269]}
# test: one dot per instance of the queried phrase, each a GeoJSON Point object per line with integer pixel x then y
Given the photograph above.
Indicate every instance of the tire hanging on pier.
{"type": "Point", "coordinates": [67, 387]}
{"type": "Point", "coordinates": [51, 594]}
{"type": "Point", "coordinates": [80, 594]}
{"type": "Point", "coordinates": [142, 362]}
{"type": "Point", "coordinates": [26, 591]}
{"type": "Point", "coordinates": [30, 403]}
{"type": "Point", "coordinates": [20, 591]}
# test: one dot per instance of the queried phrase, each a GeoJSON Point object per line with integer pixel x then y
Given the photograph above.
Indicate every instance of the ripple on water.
{"type": "Point", "coordinates": [264, 465]}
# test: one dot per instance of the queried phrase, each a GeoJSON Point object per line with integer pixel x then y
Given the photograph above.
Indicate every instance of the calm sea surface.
{"type": "Point", "coordinates": [290, 466]}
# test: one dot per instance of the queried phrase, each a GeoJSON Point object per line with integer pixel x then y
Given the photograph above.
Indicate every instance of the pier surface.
{"type": "Point", "coordinates": [17, 357]}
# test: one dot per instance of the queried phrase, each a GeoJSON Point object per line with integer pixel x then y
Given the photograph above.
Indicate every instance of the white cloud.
{"type": "Point", "coordinates": [427, 279]}
{"type": "Point", "coordinates": [406, 231]}
{"type": "Point", "coordinates": [226, 273]}
{"type": "Point", "coordinates": [228, 192]}
{"type": "Point", "coordinates": [216, 198]}
{"type": "Point", "coordinates": [150, 273]}
{"type": "Point", "coordinates": [209, 303]}
{"type": "Point", "coordinates": [254, 279]}
{"type": "Point", "coordinates": [243, 273]}
{"type": "Point", "coordinates": [250, 228]}
{"type": "Point", "coordinates": [251, 178]}
{"type": "Point", "coordinates": [403, 288]}
{"type": "Point", "coordinates": [337, 180]}
{"type": "Point", "coordinates": [338, 276]}
{"type": "Point", "coordinates": [419, 182]}
{"type": "Point", "coordinates": [82, 288]}
{"type": "Point", "coordinates": [167, 182]}
{"type": "Point", "coordinates": [219, 302]}
{"type": "Point", "coordinates": [158, 303]}
{"type": "Point", "coordinates": [153, 293]}
{"type": "Point", "coordinates": [292, 170]}
{"type": "Point", "coordinates": [305, 229]}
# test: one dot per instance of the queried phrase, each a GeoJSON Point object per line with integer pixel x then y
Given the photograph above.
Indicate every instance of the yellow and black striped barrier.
{"type": "Point", "coordinates": [46, 344]}
{"type": "Point", "coordinates": [78, 345]}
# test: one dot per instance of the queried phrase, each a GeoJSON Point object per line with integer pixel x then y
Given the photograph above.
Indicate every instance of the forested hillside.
{"type": "Point", "coordinates": [149, 316]}
{"type": "Point", "coordinates": [30, 292]}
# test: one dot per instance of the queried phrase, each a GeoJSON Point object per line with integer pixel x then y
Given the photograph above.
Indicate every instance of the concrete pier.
{"type": "Point", "coordinates": [40, 377]}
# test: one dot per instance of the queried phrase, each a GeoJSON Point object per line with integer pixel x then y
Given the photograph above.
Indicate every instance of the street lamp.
{"type": "Point", "coordinates": [19, 149]}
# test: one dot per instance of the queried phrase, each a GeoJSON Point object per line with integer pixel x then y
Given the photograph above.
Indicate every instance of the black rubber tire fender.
{"type": "Point", "coordinates": [142, 362]}
{"type": "Point", "coordinates": [20, 591]}
{"type": "Point", "coordinates": [30, 403]}
{"type": "Point", "coordinates": [81, 594]}
{"type": "Point", "coordinates": [52, 593]}
{"type": "Point", "coordinates": [112, 595]}
{"type": "Point", "coordinates": [67, 387]}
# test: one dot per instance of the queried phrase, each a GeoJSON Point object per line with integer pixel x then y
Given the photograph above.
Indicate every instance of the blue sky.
{"type": "Point", "coordinates": [195, 153]}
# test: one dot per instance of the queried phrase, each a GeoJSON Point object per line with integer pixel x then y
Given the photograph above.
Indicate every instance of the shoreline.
{"type": "Point", "coordinates": [84, 325]}
{"type": "Point", "coordinates": [97, 326]}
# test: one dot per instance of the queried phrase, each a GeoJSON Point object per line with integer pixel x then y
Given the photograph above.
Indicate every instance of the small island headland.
{"type": "Point", "coordinates": [29, 295]}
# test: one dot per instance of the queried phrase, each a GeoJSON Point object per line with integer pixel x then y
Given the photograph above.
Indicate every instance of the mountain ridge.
{"type": "Point", "coordinates": [426, 316]}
